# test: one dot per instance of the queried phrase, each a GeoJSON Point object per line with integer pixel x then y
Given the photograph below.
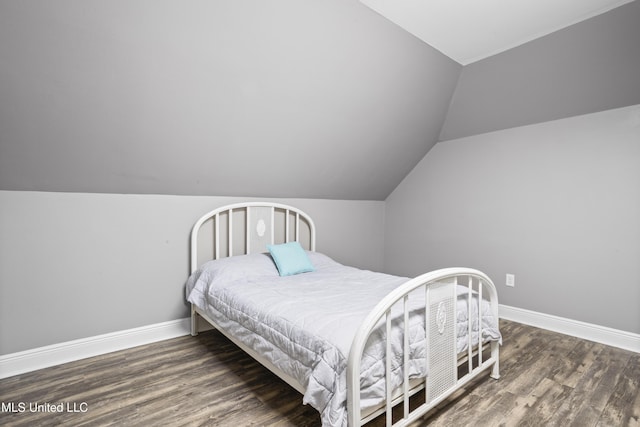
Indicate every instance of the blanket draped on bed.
{"type": "Point", "coordinates": [304, 324]}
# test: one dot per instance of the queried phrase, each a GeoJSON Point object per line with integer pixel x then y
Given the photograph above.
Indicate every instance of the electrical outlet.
{"type": "Point", "coordinates": [511, 280]}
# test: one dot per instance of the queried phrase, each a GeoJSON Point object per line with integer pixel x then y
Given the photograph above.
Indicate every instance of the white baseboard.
{"type": "Point", "coordinates": [56, 354]}
{"type": "Point", "coordinates": [587, 331]}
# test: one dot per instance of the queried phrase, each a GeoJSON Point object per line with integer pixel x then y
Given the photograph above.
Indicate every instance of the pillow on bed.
{"type": "Point", "coordinates": [321, 261]}
{"type": "Point", "coordinates": [229, 269]}
{"type": "Point", "coordinates": [290, 258]}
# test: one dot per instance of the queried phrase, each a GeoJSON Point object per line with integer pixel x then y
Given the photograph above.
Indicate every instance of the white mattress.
{"type": "Point", "coordinates": [305, 324]}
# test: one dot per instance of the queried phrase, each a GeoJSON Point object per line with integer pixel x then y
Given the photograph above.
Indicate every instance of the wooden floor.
{"type": "Point", "coordinates": [547, 379]}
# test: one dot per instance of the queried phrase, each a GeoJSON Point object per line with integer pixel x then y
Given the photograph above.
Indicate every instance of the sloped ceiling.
{"type": "Point", "coordinates": [588, 67]}
{"type": "Point", "coordinates": [470, 30]}
{"type": "Point", "coordinates": [285, 98]}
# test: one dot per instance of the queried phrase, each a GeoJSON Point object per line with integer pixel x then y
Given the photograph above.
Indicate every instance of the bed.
{"type": "Point", "coordinates": [355, 343]}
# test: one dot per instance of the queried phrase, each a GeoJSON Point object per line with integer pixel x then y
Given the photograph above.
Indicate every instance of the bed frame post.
{"type": "Point", "coordinates": [194, 321]}
{"type": "Point", "coordinates": [495, 371]}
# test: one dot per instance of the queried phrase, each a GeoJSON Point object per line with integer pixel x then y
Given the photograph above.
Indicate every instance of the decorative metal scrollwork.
{"type": "Point", "coordinates": [261, 227]}
{"type": "Point", "coordinates": [441, 317]}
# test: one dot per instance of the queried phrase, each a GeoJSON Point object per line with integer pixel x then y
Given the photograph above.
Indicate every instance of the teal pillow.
{"type": "Point", "coordinates": [290, 259]}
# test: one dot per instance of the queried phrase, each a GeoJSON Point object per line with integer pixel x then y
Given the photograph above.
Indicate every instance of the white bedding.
{"type": "Point", "coordinates": [305, 324]}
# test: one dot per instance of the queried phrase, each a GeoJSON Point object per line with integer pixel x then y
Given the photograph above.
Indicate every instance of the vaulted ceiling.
{"type": "Point", "coordinates": [286, 98]}
{"type": "Point", "coordinates": [298, 98]}
{"type": "Point", "coordinates": [471, 30]}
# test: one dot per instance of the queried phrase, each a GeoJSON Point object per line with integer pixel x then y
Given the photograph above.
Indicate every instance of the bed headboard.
{"type": "Point", "coordinates": [245, 228]}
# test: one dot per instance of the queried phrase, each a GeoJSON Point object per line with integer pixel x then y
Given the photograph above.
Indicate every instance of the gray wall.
{"type": "Point", "coordinates": [215, 98]}
{"type": "Point", "coordinates": [589, 67]}
{"type": "Point", "coordinates": [117, 97]}
{"type": "Point", "coordinates": [75, 265]}
{"type": "Point", "coordinates": [557, 204]}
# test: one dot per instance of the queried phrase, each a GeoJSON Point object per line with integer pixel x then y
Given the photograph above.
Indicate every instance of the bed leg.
{"type": "Point", "coordinates": [194, 321]}
{"type": "Point", "coordinates": [495, 352]}
{"type": "Point", "coordinates": [495, 371]}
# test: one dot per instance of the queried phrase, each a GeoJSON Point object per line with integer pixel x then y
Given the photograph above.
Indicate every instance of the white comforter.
{"type": "Point", "coordinates": [305, 324]}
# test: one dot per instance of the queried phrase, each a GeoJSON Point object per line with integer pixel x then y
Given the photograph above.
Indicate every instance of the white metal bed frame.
{"type": "Point", "coordinates": [260, 228]}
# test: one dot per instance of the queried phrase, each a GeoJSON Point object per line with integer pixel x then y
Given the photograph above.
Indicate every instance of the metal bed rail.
{"type": "Point", "coordinates": [441, 292]}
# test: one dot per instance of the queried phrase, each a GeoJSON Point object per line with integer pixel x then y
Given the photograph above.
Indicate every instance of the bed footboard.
{"type": "Point", "coordinates": [443, 376]}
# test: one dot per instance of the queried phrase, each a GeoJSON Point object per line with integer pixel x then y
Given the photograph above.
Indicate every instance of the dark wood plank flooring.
{"type": "Point", "coordinates": [547, 379]}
